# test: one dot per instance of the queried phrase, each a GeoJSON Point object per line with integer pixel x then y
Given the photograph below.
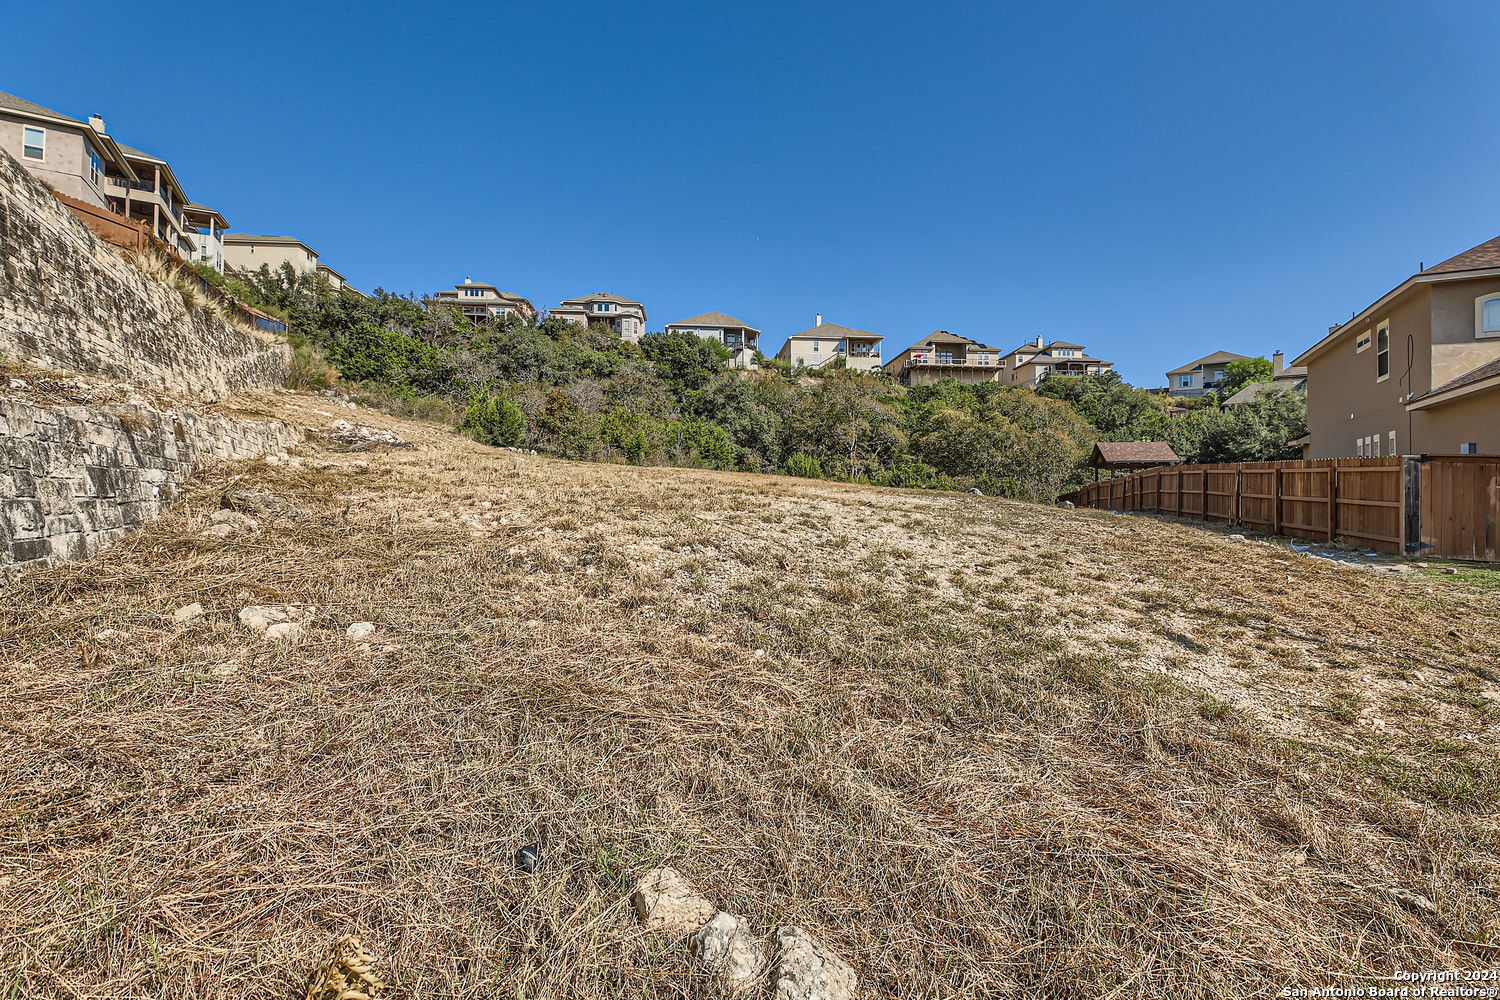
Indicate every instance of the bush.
{"type": "Point", "coordinates": [804, 465]}
{"type": "Point", "coordinates": [495, 420]}
{"type": "Point", "coordinates": [309, 370]}
{"type": "Point", "coordinates": [917, 476]}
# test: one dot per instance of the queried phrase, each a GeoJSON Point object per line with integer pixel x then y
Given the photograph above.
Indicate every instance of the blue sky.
{"type": "Point", "coordinates": [1155, 181]}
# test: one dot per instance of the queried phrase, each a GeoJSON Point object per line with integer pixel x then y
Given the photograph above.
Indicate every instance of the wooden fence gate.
{"type": "Point", "coordinates": [1437, 505]}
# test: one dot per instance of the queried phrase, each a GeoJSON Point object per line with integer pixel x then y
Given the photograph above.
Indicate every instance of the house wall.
{"type": "Point", "coordinates": [65, 166]}
{"type": "Point", "coordinates": [250, 257]}
{"type": "Point", "coordinates": [1436, 322]}
{"type": "Point", "coordinates": [1475, 418]}
{"type": "Point", "coordinates": [1457, 346]}
{"type": "Point", "coordinates": [1345, 402]}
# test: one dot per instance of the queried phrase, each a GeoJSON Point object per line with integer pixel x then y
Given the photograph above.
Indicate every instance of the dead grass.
{"type": "Point", "coordinates": [985, 748]}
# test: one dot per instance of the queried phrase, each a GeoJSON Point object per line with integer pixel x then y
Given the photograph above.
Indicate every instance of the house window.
{"type": "Point", "coordinates": [1390, 443]}
{"type": "Point", "coordinates": [1362, 344]}
{"type": "Point", "coordinates": [1374, 445]}
{"type": "Point", "coordinates": [473, 291]}
{"type": "Point", "coordinates": [34, 143]}
{"type": "Point", "coordinates": [1184, 381]}
{"type": "Point", "coordinates": [96, 165]}
{"type": "Point", "coordinates": [1470, 448]}
{"type": "Point", "coordinates": [1382, 351]}
{"type": "Point", "coordinates": [815, 347]}
{"type": "Point", "coordinates": [1487, 316]}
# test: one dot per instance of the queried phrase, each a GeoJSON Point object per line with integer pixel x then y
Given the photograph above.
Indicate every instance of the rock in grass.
{"type": "Point", "coordinates": [666, 902]}
{"type": "Point", "coordinates": [805, 969]}
{"type": "Point", "coordinates": [529, 858]}
{"type": "Point", "coordinates": [260, 504]}
{"type": "Point", "coordinates": [284, 631]}
{"type": "Point", "coordinates": [187, 613]}
{"type": "Point", "coordinates": [726, 948]}
{"type": "Point", "coordinates": [261, 618]}
{"type": "Point", "coordinates": [361, 630]}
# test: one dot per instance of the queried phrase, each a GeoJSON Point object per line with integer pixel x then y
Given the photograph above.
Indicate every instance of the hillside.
{"type": "Point", "coordinates": [983, 748]}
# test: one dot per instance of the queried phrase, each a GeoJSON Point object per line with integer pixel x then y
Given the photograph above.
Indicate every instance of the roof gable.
{"type": "Point", "coordinates": [713, 319]}
{"type": "Point", "coordinates": [1217, 357]}
{"type": "Point", "coordinates": [1486, 254]}
{"type": "Point", "coordinates": [832, 331]}
{"type": "Point", "coordinates": [10, 102]}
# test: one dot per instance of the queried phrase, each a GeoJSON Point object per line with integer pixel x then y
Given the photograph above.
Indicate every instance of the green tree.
{"type": "Point", "coordinates": [804, 465]}
{"type": "Point", "coordinates": [495, 420]}
{"type": "Point", "coordinates": [1238, 374]}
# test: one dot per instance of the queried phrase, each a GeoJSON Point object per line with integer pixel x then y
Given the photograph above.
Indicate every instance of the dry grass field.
{"type": "Point", "coordinates": [985, 749]}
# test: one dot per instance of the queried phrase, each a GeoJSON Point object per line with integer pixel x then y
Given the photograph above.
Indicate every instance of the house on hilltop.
{"type": "Point", "coordinates": [626, 317]}
{"type": "Point", "coordinates": [739, 337]}
{"type": "Point", "coordinates": [81, 161]}
{"type": "Point", "coordinates": [480, 302]}
{"type": "Point", "coordinates": [1416, 371]}
{"type": "Point", "coordinates": [1032, 363]}
{"type": "Point", "coordinates": [946, 355]}
{"type": "Point", "coordinates": [1199, 378]}
{"type": "Point", "coordinates": [825, 343]}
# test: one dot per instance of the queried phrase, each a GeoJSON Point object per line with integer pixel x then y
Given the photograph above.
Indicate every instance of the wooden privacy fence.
{"type": "Point", "coordinates": [1436, 505]}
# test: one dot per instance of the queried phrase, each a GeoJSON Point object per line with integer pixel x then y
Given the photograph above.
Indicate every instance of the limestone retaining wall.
{"type": "Point", "coordinates": [73, 478]}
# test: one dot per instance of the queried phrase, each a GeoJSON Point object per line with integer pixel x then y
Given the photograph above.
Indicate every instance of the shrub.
{"type": "Point", "coordinates": [804, 465]}
{"type": "Point", "coordinates": [309, 370]}
{"type": "Point", "coordinates": [916, 476]}
{"type": "Point", "coordinates": [495, 420]}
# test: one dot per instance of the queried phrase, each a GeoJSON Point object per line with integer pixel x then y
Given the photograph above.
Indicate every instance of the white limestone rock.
{"type": "Point", "coordinates": [187, 613]}
{"type": "Point", "coordinates": [361, 630]}
{"type": "Point", "coordinates": [260, 618]}
{"type": "Point", "coordinates": [805, 969]}
{"type": "Point", "coordinates": [667, 903]}
{"type": "Point", "coordinates": [727, 948]}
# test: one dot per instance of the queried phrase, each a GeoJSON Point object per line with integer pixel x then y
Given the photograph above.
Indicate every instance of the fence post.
{"type": "Point", "coordinates": [1411, 505]}
{"type": "Point", "coordinates": [1333, 501]}
{"type": "Point", "coordinates": [1203, 504]}
{"type": "Point", "coordinates": [1238, 518]}
{"type": "Point", "coordinates": [1276, 501]}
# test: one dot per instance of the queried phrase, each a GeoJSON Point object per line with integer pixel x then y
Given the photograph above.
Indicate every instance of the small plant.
{"type": "Point", "coordinates": [804, 465]}
{"type": "Point", "coordinates": [492, 419]}
{"type": "Point", "coordinates": [309, 370]}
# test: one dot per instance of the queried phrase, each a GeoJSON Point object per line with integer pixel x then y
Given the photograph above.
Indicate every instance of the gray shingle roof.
{"type": "Point", "coordinates": [1215, 358]}
{"type": "Point", "coordinates": [713, 319]}
{"type": "Point", "coordinates": [11, 102]}
{"type": "Point", "coordinates": [832, 331]}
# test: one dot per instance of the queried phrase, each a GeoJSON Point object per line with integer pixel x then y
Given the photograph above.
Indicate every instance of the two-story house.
{"type": "Point", "coordinates": [739, 337]}
{"type": "Point", "coordinates": [1293, 379]}
{"type": "Point", "coordinates": [826, 343]}
{"type": "Point", "coordinates": [73, 157]}
{"type": "Point", "coordinates": [481, 302]}
{"type": "Point", "coordinates": [81, 161]}
{"type": "Point", "coordinates": [1031, 363]}
{"type": "Point", "coordinates": [1199, 378]}
{"type": "Point", "coordinates": [245, 252]}
{"type": "Point", "coordinates": [626, 317]}
{"type": "Point", "coordinates": [943, 355]}
{"type": "Point", "coordinates": [1416, 371]}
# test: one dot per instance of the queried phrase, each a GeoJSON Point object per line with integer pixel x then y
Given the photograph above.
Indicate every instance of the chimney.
{"type": "Point", "coordinates": [468, 280]}
{"type": "Point", "coordinates": [1039, 342]}
{"type": "Point", "coordinates": [818, 319]}
{"type": "Point", "coordinates": [97, 124]}
{"type": "Point", "coordinates": [1278, 363]}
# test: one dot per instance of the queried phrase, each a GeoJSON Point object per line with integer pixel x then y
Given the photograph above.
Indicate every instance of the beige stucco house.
{"type": "Point", "coordinates": [825, 343]}
{"type": "Point", "coordinates": [82, 161]}
{"type": "Point", "coordinates": [245, 252]}
{"type": "Point", "coordinates": [1033, 362]}
{"type": "Point", "coordinates": [738, 336]}
{"type": "Point", "coordinates": [1415, 371]}
{"type": "Point", "coordinates": [626, 317]}
{"type": "Point", "coordinates": [1199, 378]}
{"type": "Point", "coordinates": [480, 302]}
{"type": "Point", "coordinates": [943, 355]}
